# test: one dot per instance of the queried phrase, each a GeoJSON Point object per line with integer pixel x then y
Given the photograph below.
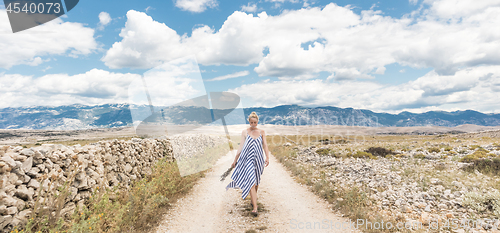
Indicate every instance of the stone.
{"type": "Point", "coordinates": [27, 164]}
{"type": "Point", "coordinates": [424, 218]}
{"type": "Point", "coordinates": [9, 201]}
{"type": "Point", "coordinates": [397, 202]}
{"type": "Point", "coordinates": [28, 152]}
{"type": "Point", "coordinates": [23, 216]}
{"type": "Point", "coordinates": [34, 184]}
{"type": "Point", "coordinates": [427, 208]}
{"type": "Point", "coordinates": [68, 209]}
{"type": "Point", "coordinates": [11, 210]}
{"type": "Point", "coordinates": [406, 209]}
{"type": "Point", "coordinates": [456, 184]}
{"type": "Point", "coordinates": [72, 193]}
{"type": "Point", "coordinates": [9, 161]}
{"type": "Point", "coordinates": [33, 172]}
{"type": "Point", "coordinates": [434, 180]}
{"type": "Point", "coordinates": [4, 221]}
{"type": "Point", "coordinates": [449, 215]}
{"type": "Point", "coordinates": [442, 206]}
{"type": "Point", "coordinates": [128, 168]}
{"type": "Point", "coordinates": [23, 193]}
{"type": "Point", "coordinates": [82, 183]}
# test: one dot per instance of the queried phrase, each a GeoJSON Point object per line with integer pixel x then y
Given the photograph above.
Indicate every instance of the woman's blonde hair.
{"type": "Point", "coordinates": [253, 115]}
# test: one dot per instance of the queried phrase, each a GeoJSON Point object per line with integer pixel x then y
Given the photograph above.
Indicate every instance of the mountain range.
{"type": "Point", "coordinates": [118, 115]}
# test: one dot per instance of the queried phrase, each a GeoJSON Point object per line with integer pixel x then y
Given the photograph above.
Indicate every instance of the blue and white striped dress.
{"type": "Point", "coordinates": [249, 167]}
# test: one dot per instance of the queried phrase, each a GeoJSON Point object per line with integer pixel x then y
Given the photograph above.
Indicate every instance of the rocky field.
{"type": "Point", "coordinates": [427, 180]}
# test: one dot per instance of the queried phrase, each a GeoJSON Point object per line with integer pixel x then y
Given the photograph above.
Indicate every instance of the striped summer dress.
{"type": "Point", "coordinates": [249, 167]}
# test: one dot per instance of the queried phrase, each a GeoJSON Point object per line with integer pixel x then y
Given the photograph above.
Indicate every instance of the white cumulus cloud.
{"type": "Point", "coordinates": [346, 44]}
{"type": "Point", "coordinates": [250, 7]}
{"type": "Point", "coordinates": [29, 46]}
{"type": "Point", "coordinates": [476, 88]}
{"type": "Point", "coordinates": [104, 19]}
{"type": "Point", "coordinates": [94, 87]}
{"type": "Point", "coordinates": [195, 5]}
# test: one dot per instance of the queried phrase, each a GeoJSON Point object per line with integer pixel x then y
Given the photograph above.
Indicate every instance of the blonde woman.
{"type": "Point", "coordinates": [249, 161]}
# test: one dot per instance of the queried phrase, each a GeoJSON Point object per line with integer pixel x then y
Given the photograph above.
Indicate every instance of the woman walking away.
{"type": "Point", "coordinates": [249, 161]}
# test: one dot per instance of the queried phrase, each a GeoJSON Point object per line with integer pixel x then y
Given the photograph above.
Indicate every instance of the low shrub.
{"type": "Point", "coordinates": [486, 166]}
{"type": "Point", "coordinates": [379, 151]}
{"type": "Point", "coordinates": [361, 154]}
{"type": "Point", "coordinates": [323, 151]}
{"type": "Point", "coordinates": [478, 154]}
{"type": "Point", "coordinates": [473, 147]}
{"type": "Point", "coordinates": [448, 148]}
{"type": "Point", "coordinates": [419, 156]}
{"type": "Point", "coordinates": [434, 149]}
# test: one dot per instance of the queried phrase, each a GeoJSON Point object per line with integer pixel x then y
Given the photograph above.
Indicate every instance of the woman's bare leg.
{"type": "Point", "coordinates": [253, 197]}
{"type": "Point", "coordinates": [256, 188]}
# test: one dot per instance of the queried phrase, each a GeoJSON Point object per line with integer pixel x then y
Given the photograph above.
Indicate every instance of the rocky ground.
{"type": "Point", "coordinates": [423, 182]}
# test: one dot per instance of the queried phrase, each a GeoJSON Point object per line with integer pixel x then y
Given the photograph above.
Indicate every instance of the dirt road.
{"type": "Point", "coordinates": [285, 206]}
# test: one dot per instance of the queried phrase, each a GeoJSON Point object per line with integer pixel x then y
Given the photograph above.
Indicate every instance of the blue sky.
{"type": "Point", "coordinates": [386, 56]}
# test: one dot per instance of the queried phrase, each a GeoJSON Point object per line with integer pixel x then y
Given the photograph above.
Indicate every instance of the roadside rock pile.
{"type": "Point", "coordinates": [30, 175]}
{"type": "Point", "coordinates": [407, 188]}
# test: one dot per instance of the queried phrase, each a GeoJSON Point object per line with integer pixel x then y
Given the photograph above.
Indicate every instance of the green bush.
{"type": "Point", "coordinates": [362, 154]}
{"type": "Point", "coordinates": [323, 151]}
{"type": "Point", "coordinates": [419, 156]}
{"type": "Point", "coordinates": [434, 149]}
{"type": "Point", "coordinates": [379, 151]}
{"type": "Point", "coordinates": [478, 154]}
{"type": "Point", "coordinates": [473, 147]}
{"type": "Point", "coordinates": [487, 166]}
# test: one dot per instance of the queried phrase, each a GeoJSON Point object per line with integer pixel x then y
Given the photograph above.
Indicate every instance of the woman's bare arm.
{"type": "Point", "coordinates": [264, 145]}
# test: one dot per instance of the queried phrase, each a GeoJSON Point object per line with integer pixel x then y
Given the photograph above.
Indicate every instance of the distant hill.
{"type": "Point", "coordinates": [117, 115]}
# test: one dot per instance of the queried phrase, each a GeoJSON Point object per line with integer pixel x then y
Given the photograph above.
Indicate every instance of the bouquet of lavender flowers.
{"type": "Point", "coordinates": [223, 177]}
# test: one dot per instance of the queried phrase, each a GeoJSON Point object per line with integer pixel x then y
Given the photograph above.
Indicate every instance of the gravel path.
{"type": "Point", "coordinates": [286, 206]}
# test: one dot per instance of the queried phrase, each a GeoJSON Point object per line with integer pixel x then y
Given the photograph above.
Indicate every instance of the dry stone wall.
{"type": "Point", "coordinates": [30, 174]}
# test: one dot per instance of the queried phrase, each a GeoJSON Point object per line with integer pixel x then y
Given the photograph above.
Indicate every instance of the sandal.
{"type": "Point", "coordinates": [255, 213]}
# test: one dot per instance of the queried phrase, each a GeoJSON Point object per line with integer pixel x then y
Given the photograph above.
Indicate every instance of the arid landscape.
{"type": "Point", "coordinates": [31, 137]}
{"type": "Point", "coordinates": [417, 179]}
